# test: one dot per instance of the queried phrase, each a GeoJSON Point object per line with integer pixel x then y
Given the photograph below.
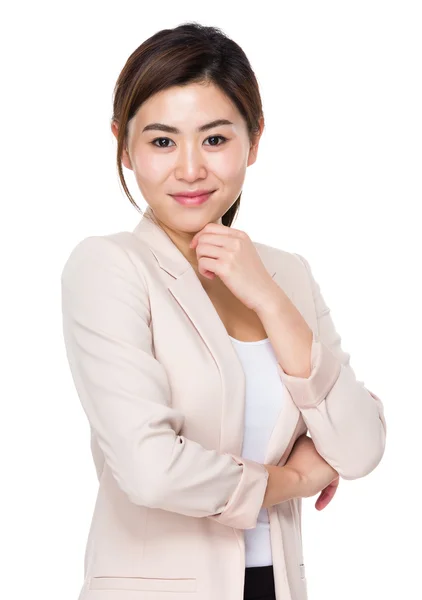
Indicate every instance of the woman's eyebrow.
{"type": "Point", "coordinates": [170, 129]}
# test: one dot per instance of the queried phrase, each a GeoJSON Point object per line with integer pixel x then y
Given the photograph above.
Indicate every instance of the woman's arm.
{"type": "Point", "coordinates": [126, 395]}
{"type": "Point", "coordinates": [345, 420]}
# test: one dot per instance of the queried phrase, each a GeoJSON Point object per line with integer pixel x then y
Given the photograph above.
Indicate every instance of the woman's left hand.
{"type": "Point", "coordinates": [231, 255]}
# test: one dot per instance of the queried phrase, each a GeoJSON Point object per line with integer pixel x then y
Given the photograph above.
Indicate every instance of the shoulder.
{"type": "Point", "coordinates": [282, 259]}
{"type": "Point", "coordinates": [97, 254]}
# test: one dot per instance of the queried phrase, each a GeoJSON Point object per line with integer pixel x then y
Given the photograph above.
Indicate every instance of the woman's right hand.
{"type": "Point", "coordinates": [314, 472]}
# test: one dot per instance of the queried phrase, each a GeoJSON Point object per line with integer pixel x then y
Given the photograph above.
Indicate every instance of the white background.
{"type": "Point", "coordinates": [338, 180]}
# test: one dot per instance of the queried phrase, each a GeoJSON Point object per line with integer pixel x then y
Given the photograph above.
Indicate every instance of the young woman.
{"type": "Point", "coordinates": [202, 358]}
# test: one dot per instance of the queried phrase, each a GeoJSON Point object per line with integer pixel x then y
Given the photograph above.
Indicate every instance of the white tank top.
{"type": "Point", "coordinates": [263, 400]}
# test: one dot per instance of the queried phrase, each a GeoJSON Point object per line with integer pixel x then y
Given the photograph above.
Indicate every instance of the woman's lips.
{"type": "Point", "coordinates": [192, 201]}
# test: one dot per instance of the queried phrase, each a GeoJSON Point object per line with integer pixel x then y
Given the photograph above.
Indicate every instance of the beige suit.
{"type": "Point", "coordinates": [163, 390]}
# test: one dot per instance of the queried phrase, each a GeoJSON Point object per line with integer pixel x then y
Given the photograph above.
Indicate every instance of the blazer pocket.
{"type": "Point", "coordinates": [143, 584]}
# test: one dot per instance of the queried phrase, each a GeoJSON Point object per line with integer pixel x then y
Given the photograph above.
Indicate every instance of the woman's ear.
{"type": "Point", "coordinates": [253, 151]}
{"type": "Point", "coordinates": [125, 153]}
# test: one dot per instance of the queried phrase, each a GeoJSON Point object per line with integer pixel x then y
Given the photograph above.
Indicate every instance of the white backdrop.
{"type": "Point", "coordinates": [338, 180]}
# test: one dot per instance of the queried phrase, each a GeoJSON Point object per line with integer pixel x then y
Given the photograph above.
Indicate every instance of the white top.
{"type": "Point", "coordinates": [263, 401]}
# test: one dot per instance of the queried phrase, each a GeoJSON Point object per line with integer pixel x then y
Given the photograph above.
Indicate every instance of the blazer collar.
{"type": "Point", "coordinates": [187, 290]}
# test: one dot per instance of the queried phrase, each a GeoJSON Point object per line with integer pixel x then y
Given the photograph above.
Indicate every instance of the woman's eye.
{"type": "Point", "coordinates": [214, 137]}
{"type": "Point", "coordinates": [159, 140]}
{"type": "Point", "coordinates": [211, 137]}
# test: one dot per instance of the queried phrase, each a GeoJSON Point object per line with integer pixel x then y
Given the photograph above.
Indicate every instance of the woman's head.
{"type": "Point", "coordinates": [186, 78]}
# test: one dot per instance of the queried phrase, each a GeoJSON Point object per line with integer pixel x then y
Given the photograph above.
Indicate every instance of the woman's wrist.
{"type": "Point", "coordinates": [284, 483]}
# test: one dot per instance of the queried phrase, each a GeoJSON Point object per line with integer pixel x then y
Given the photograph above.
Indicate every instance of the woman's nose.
{"type": "Point", "coordinates": [191, 163]}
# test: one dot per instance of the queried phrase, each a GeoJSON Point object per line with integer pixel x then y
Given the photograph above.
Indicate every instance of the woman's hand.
{"type": "Point", "coordinates": [231, 255]}
{"type": "Point", "coordinates": [316, 474]}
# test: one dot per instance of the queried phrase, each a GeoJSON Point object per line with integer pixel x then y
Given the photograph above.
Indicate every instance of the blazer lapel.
{"type": "Point", "coordinates": [187, 290]}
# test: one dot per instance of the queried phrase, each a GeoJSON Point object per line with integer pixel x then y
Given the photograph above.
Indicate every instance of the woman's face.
{"type": "Point", "coordinates": [170, 162]}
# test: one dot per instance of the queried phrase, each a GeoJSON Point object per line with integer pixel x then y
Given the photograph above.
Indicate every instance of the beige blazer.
{"type": "Point", "coordinates": [163, 390]}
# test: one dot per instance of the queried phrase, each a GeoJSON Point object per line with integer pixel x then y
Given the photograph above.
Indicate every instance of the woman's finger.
{"type": "Point", "coordinates": [327, 495]}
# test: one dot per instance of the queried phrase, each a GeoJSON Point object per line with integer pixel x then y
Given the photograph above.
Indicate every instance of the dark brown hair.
{"type": "Point", "coordinates": [189, 53]}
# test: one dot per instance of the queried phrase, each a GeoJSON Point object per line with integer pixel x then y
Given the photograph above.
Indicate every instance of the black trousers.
{"type": "Point", "coordinates": [259, 583]}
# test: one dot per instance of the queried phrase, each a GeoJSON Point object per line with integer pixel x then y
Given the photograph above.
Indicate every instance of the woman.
{"type": "Point", "coordinates": [202, 358]}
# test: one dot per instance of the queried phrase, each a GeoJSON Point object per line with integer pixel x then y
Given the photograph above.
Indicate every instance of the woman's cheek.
{"type": "Point", "coordinates": [227, 165]}
{"type": "Point", "coordinates": [150, 168]}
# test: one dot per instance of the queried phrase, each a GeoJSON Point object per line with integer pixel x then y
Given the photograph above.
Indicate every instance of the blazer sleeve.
{"type": "Point", "coordinates": [125, 394]}
{"type": "Point", "coordinates": [346, 421]}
